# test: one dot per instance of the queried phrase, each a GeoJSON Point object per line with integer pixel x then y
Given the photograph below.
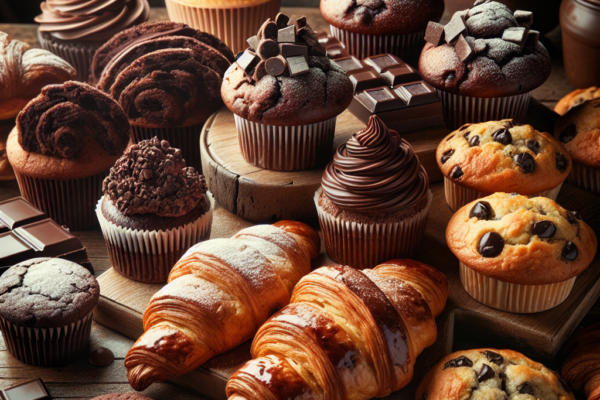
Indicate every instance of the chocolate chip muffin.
{"type": "Point", "coordinates": [46, 310]}
{"type": "Point", "coordinates": [519, 254]}
{"type": "Point", "coordinates": [499, 156]}
{"type": "Point", "coordinates": [485, 62]}
{"type": "Point", "coordinates": [579, 131]}
{"type": "Point", "coordinates": [575, 98]}
{"type": "Point", "coordinates": [154, 208]}
{"type": "Point", "coordinates": [490, 374]}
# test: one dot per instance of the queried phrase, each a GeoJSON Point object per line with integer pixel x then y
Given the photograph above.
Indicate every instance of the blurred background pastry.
{"type": "Point", "coordinates": [581, 367]}
{"type": "Point", "coordinates": [575, 98]}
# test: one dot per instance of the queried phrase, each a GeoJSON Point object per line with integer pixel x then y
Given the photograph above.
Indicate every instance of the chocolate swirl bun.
{"type": "Point", "coordinates": [64, 117]}
{"type": "Point", "coordinates": [377, 171]}
{"type": "Point", "coordinates": [152, 178]}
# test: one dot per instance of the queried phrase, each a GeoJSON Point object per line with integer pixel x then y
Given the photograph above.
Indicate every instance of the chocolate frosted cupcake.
{"type": "Point", "coordinates": [154, 208]}
{"type": "Point", "coordinates": [65, 141]}
{"type": "Point", "coordinates": [374, 200]}
{"type": "Point", "coordinates": [46, 309]}
{"type": "Point", "coordinates": [485, 62]}
{"type": "Point", "coordinates": [286, 95]}
{"type": "Point", "coordinates": [75, 29]}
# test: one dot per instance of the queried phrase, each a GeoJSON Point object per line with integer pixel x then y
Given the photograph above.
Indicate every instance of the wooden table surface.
{"type": "Point", "coordinates": [81, 380]}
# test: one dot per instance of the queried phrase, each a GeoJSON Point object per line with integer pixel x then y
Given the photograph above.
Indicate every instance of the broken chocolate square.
{"type": "Point", "coordinates": [524, 18]}
{"type": "Point", "coordinates": [516, 35]}
{"type": "Point", "coordinates": [454, 29]}
{"type": "Point", "coordinates": [297, 65]}
{"type": "Point", "coordinates": [434, 33]}
{"type": "Point", "coordinates": [465, 48]}
{"type": "Point", "coordinates": [248, 61]}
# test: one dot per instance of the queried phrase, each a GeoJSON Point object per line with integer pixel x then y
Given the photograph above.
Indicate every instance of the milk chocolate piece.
{"type": "Point", "coordinates": [516, 35]}
{"type": "Point", "coordinates": [48, 237]}
{"type": "Point", "coordinates": [282, 20]}
{"type": "Point", "coordinates": [268, 48]}
{"type": "Point", "coordinates": [269, 30]}
{"type": "Point", "coordinates": [352, 65]}
{"type": "Point", "coordinates": [248, 61]}
{"type": "Point", "coordinates": [382, 63]}
{"type": "Point", "coordinates": [454, 29]}
{"type": "Point", "coordinates": [260, 71]}
{"type": "Point", "coordinates": [275, 66]}
{"type": "Point", "coordinates": [417, 93]}
{"type": "Point", "coordinates": [18, 212]}
{"type": "Point", "coordinates": [380, 99]}
{"type": "Point", "coordinates": [101, 357]}
{"type": "Point", "coordinates": [403, 119]}
{"type": "Point", "coordinates": [28, 390]}
{"type": "Point", "coordinates": [13, 250]}
{"type": "Point", "coordinates": [253, 43]}
{"type": "Point", "coordinates": [337, 52]}
{"type": "Point", "coordinates": [400, 74]}
{"type": "Point", "coordinates": [434, 33]}
{"type": "Point", "coordinates": [532, 38]}
{"type": "Point", "coordinates": [524, 18]}
{"type": "Point", "coordinates": [292, 50]}
{"type": "Point", "coordinates": [287, 35]}
{"type": "Point", "coordinates": [297, 65]}
{"type": "Point", "coordinates": [366, 80]}
{"type": "Point", "coordinates": [465, 48]}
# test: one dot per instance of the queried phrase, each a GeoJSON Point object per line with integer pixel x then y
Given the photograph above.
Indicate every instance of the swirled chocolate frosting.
{"type": "Point", "coordinates": [152, 178]}
{"type": "Point", "coordinates": [90, 20]}
{"type": "Point", "coordinates": [377, 171]}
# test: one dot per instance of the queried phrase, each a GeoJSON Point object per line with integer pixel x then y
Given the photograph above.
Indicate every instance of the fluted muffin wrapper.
{"type": "Point", "coordinates": [584, 177]}
{"type": "Point", "coordinates": [47, 347]}
{"type": "Point", "coordinates": [512, 297]}
{"type": "Point", "coordinates": [365, 245]}
{"type": "Point", "coordinates": [70, 202]}
{"type": "Point", "coordinates": [458, 195]}
{"type": "Point", "coordinates": [285, 148]}
{"type": "Point", "coordinates": [233, 25]}
{"type": "Point", "coordinates": [78, 54]}
{"type": "Point", "coordinates": [460, 110]}
{"type": "Point", "coordinates": [148, 256]}
{"type": "Point", "coordinates": [408, 47]}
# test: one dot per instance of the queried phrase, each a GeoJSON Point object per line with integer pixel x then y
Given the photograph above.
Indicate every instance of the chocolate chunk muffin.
{"type": "Point", "coordinates": [46, 309]}
{"type": "Point", "coordinates": [499, 156]}
{"type": "Point", "coordinates": [575, 98]}
{"type": "Point", "coordinates": [154, 208]}
{"type": "Point", "coordinates": [519, 254]}
{"type": "Point", "coordinates": [491, 374]}
{"type": "Point", "coordinates": [485, 62]}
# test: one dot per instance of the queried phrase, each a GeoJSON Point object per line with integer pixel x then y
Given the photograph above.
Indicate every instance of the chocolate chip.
{"type": "Point", "coordinates": [474, 141]}
{"type": "Point", "coordinates": [268, 48]}
{"type": "Point", "coordinates": [502, 136]}
{"type": "Point", "coordinates": [275, 66]}
{"type": "Point", "coordinates": [456, 172]}
{"type": "Point", "coordinates": [491, 244]}
{"type": "Point", "coordinates": [461, 361]}
{"type": "Point", "coordinates": [533, 145]}
{"type": "Point", "coordinates": [568, 133]}
{"type": "Point", "coordinates": [525, 388]}
{"type": "Point", "coordinates": [544, 229]}
{"type": "Point", "coordinates": [561, 162]}
{"type": "Point", "coordinates": [482, 210]}
{"type": "Point", "coordinates": [503, 386]}
{"type": "Point", "coordinates": [486, 373]}
{"type": "Point", "coordinates": [525, 161]}
{"type": "Point", "coordinates": [101, 357]}
{"type": "Point", "coordinates": [282, 20]}
{"type": "Point", "coordinates": [465, 126]}
{"type": "Point", "coordinates": [446, 156]}
{"type": "Point", "coordinates": [570, 251]}
{"type": "Point", "coordinates": [269, 30]}
{"type": "Point", "coordinates": [449, 137]}
{"type": "Point", "coordinates": [509, 123]}
{"type": "Point", "coordinates": [494, 357]}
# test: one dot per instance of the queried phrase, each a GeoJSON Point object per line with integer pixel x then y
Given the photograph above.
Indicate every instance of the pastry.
{"type": "Point", "coordinates": [519, 254]}
{"type": "Point", "coordinates": [499, 156]}
{"type": "Point", "coordinates": [154, 208]}
{"type": "Point", "coordinates": [46, 309]}
{"type": "Point", "coordinates": [491, 374]}
{"type": "Point", "coordinates": [218, 295]}
{"type": "Point", "coordinates": [65, 141]}
{"type": "Point", "coordinates": [285, 95]}
{"type": "Point", "coordinates": [485, 62]}
{"type": "Point", "coordinates": [374, 199]}
{"type": "Point", "coordinates": [346, 334]}
{"type": "Point", "coordinates": [575, 98]}
{"type": "Point", "coordinates": [581, 368]}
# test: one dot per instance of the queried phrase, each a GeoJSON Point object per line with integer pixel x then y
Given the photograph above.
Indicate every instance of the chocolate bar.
{"type": "Point", "coordinates": [29, 390]}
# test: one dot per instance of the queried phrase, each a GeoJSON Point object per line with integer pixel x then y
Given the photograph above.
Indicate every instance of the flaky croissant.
{"type": "Point", "coordinates": [218, 295]}
{"type": "Point", "coordinates": [346, 334]}
{"type": "Point", "coordinates": [581, 368]}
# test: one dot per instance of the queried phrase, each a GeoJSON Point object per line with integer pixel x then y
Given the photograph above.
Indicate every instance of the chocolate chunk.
{"type": "Point", "coordinates": [253, 42]}
{"type": "Point", "coordinates": [568, 133]}
{"type": "Point", "coordinates": [458, 362]}
{"type": "Point", "coordinates": [516, 35]}
{"type": "Point", "coordinates": [287, 34]}
{"type": "Point", "coordinates": [494, 357]}
{"type": "Point", "coordinates": [570, 251]}
{"type": "Point", "coordinates": [532, 39]}
{"type": "Point", "coordinates": [526, 388]}
{"type": "Point", "coordinates": [434, 33]}
{"type": "Point", "coordinates": [366, 80]}
{"type": "Point", "coordinates": [260, 71]}
{"type": "Point", "coordinates": [525, 161]}
{"type": "Point", "coordinates": [486, 373]}
{"type": "Point", "coordinates": [474, 141]}
{"type": "Point", "coordinates": [30, 390]}
{"type": "Point", "coordinates": [275, 66]}
{"type": "Point", "coordinates": [524, 18]}
{"type": "Point", "coordinates": [544, 229]}
{"type": "Point", "coordinates": [400, 74]}
{"type": "Point", "coordinates": [454, 29]}
{"type": "Point", "coordinates": [297, 65]}
{"type": "Point", "coordinates": [573, 216]}
{"type": "Point", "coordinates": [101, 357]}
{"type": "Point", "coordinates": [446, 156]}
{"type": "Point", "coordinates": [456, 172]}
{"type": "Point", "coordinates": [268, 48]}
{"type": "Point", "coordinates": [292, 50]}
{"type": "Point", "coordinates": [380, 99]}
{"type": "Point", "coordinates": [248, 61]}
{"type": "Point", "coordinates": [502, 136]}
{"type": "Point", "coordinates": [533, 145]}
{"type": "Point", "coordinates": [561, 162]}
{"type": "Point", "coordinates": [491, 245]}
{"type": "Point", "coordinates": [482, 210]}
{"type": "Point", "coordinates": [282, 20]}
{"type": "Point", "coordinates": [269, 30]}
{"type": "Point", "coordinates": [417, 93]}
{"type": "Point", "coordinates": [311, 39]}
{"type": "Point", "coordinates": [300, 22]}
{"type": "Point", "coordinates": [18, 212]}
{"type": "Point", "coordinates": [465, 48]}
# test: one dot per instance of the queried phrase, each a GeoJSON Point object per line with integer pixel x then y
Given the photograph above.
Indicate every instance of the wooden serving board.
{"type": "Point", "coordinates": [540, 336]}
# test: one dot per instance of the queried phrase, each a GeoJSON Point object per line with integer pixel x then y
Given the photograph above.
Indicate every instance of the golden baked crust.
{"type": "Point", "coordinates": [575, 98]}
{"type": "Point", "coordinates": [490, 166]}
{"type": "Point", "coordinates": [525, 257]}
{"type": "Point", "coordinates": [579, 131]}
{"type": "Point", "coordinates": [508, 376]}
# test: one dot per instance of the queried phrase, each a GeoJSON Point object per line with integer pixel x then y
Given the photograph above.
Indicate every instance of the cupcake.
{"type": "Point", "coordinates": [46, 309]}
{"type": "Point", "coordinates": [286, 95]}
{"type": "Point", "coordinates": [374, 199]}
{"type": "Point", "coordinates": [579, 131]}
{"type": "Point", "coordinates": [166, 76]}
{"type": "Point", "coordinates": [232, 21]}
{"type": "Point", "coordinates": [154, 208]}
{"type": "Point", "coordinates": [575, 98]}
{"type": "Point", "coordinates": [519, 254]}
{"type": "Point", "coordinates": [499, 156]}
{"type": "Point", "coordinates": [484, 63]}
{"type": "Point", "coordinates": [75, 29]}
{"type": "Point", "coordinates": [65, 141]}
{"type": "Point", "coordinates": [369, 28]}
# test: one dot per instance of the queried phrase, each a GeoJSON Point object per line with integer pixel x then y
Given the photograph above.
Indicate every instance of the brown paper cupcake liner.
{"type": "Point", "coordinates": [584, 177]}
{"type": "Point", "coordinates": [79, 55]}
{"type": "Point", "coordinates": [232, 25]}
{"type": "Point", "coordinates": [361, 245]}
{"type": "Point", "coordinates": [512, 297]}
{"type": "Point", "coordinates": [69, 202]}
{"type": "Point", "coordinates": [460, 110]}
{"type": "Point", "coordinates": [458, 195]}
{"type": "Point", "coordinates": [285, 148]}
{"type": "Point", "coordinates": [47, 347]}
{"type": "Point", "coordinates": [149, 256]}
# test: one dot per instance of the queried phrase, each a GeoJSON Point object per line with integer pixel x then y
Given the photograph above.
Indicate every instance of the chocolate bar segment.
{"type": "Point", "coordinates": [351, 65]}
{"type": "Point", "coordinates": [382, 63]}
{"type": "Point", "coordinates": [417, 93]}
{"type": "Point", "coordinates": [366, 80]}
{"type": "Point", "coordinates": [29, 390]}
{"type": "Point", "coordinates": [17, 212]}
{"type": "Point", "coordinates": [380, 99]}
{"type": "Point", "coordinates": [13, 250]}
{"type": "Point", "coordinates": [400, 74]}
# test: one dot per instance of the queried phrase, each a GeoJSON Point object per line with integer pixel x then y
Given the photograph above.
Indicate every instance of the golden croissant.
{"type": "Point", "coordinates": [346, 334]}
{"type": "Point", "coordinates": [581, 368]}
{"type": "Point", "coordinates": [218, 295]}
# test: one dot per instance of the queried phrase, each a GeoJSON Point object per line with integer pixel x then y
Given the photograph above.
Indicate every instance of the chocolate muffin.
{"type": "Point", "coordinates": [46, 309]}
{"type": "Point", "coordinates": [154, 208]}
{"type": "Point", "coordinates": [485, 62]}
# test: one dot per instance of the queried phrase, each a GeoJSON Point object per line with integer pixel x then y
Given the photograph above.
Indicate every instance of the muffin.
{"type": "Point", "coordinates": [75, 29]}
{"type": "Point", "coordinates": [499, 156]}
{"type": "Point", "coordinates": [575, 98]}
{"type": "Point", "coordinates": [46, 309]}
{"type": "Point", "coordinates": [484, 63]}
{"type": "Point", "coordinates": [369, 28]}
{"type": "Point", "coordinates": [519, 254]}
{"type": "Point", "coordinates": [491, 374]}
{"type": "Point", "coordinates": [154, 208]}
{"type": "Point", "coordinates": [166, 76]}
{"type": "Point", "coordinates": [579, 131]}
{"type": "Point", "coordinates": [65, 141]}
{"type": "Point", "coordinates": [374, 199]}
{"type": "Point", "coordinates": [286, 94]}
{"type": "Point", "coordinates": [232, 21]}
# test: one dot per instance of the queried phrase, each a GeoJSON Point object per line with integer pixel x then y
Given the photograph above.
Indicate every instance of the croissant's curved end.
{"type": "Point", "coordinates": [141, 376]}
{"type": "Point", "coordinates": [301, 229]}
{"type": "Point", "coordinates": [581, 368]}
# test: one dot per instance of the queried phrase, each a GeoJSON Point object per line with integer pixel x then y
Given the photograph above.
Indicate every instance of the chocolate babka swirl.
{"type": "Point", "coordinates": [377, 171]}
{"type": "Point", "coordinates": [63, 118]}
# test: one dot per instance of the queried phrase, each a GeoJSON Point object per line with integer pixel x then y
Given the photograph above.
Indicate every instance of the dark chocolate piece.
{"type": "Point", "coordinates": [310, 38]}
{"type": "Point", "coordinates": [13, 250]}
{"type": "Point", "coordinates": [352, 65]}
{"type": "Point", "coordinates": [366, 80]}
{"type": "Point", "coordinates": [292, 50]}
{"type": "Point", "coordinates": [454, 29]}
{"type": "Point", "coordinates": [248, 61]}
{"type": "Point", "coordinates": [300, 22]}
{"type": "Point", "coordinates": [474, 141]}
{"type": "Point", "coordinates": [561, 162]}
{"type": "Point", "coordinates": [494, 357]}
{"type": "Point", "coordinates": [17, 212]}
{"type": "Point", "coordinates": [486, 373]}
{"type": "Point", "coordinates": [465, 48]}
{"type": "Point", "coordinates": [297, 65]}
{"type": "Point", "coordinates": [434, 33]}
{"type": "Point", "coordinates": [253, 43]}
{"type": "Point", "coordinates": [544, 229]}
{"type": "Point", "coordinates": [568, 133]}
{"type": "Point", "coordinates": [268, 48]}
{"type": "Point", "coordinates": [101, 357]}
{"type": "Point", "coordinates": [446, 156]}
{"type": "Point", "coordinates": [482, 210]}
{"type": "Point", "coordinates": [524, 18]}
{"type": "Point", "coordinates": [275, 66]}
{"type": "Point", "coordinates": [458, 362]}
{"type": "Point", "coordinates": [384, 62]}
{"type": "Point", "coordinates": [526, 388]}
{"type": "Point", "coordinates": [502, 136]}
{"type": "Point", "coordinates": [573, 216]}
{"type": "Point", "coordinates": [269, 30]}
{"type": "Point", "coordinates": [417, 93]}
{"type": "Point", "coordinates": [533, 145]}
{"type": "Point", "coordinates": [532, 39]}
{"type": "Point", "coordinates": [491, 245]}
{"type": "Point", "coordinates": [380, 99]}
{"type": "Point", "coordinates": [282, 20]}
{"type": "Point", "coordinates": [570, 251]}
{"type": "Point", "coordinates": [34, 389]}
{"type": "Point", "coordinates": [516, 35]}
{"type": "Point", "coordinates": [287, 34]}
{"type": "Point", "coordinates": [456, 172]}
{"type": "Point", "coordinates": [525, 161]}
{"type": "Point", "coordinates": [400, 74]}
